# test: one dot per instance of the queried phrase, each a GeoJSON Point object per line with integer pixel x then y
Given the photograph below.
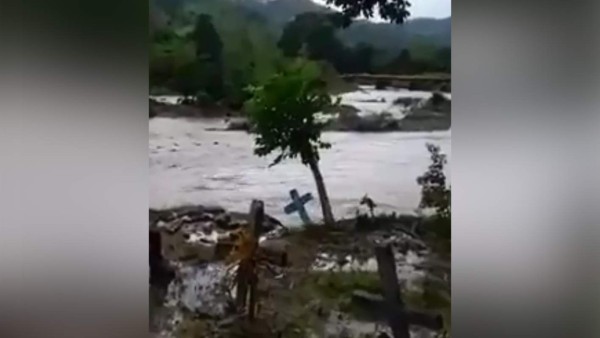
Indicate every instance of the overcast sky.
{"type": "Point", "coordinates": [424, 8]}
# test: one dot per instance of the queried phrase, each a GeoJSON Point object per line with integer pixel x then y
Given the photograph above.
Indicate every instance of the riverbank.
{"type": "Point", "coordinates": [168, 106]}
{"type": "Point", "coordinates": [314, 292]}
{"type": "Point", "coordinates": [367, 110]}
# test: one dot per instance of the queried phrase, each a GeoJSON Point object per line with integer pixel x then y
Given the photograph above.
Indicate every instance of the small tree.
{"type": "Point", "coordinates": [209, 56]}
{"type": "Point", "coordinates": [436, 193]}
{"type": "Point", "coordinates": [282, 113]}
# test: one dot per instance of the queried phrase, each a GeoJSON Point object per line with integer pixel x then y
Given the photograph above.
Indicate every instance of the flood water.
{"type": "Point", "coordinates": [191, 165]}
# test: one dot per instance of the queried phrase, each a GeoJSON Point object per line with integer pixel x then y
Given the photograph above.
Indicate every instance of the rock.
{"type": "Point", "coordinates": [207, 217]}
{"type": "Point", "coordinates": [407, 101]}
{"type": "Point", "coordinates": [341, 261]}
{"type": "Point", "coordinates": [214, 209]}
{"type": "Point", "coordinates": [342, 109]}
{"type": "Point", "coordinates": [241, 124]}
{"type": "Point", "coordinates": [369, 123]}
{"type": "Point", "coordinates": [195, 233]}
{"type": "Point", "coordinates": [188, 243]}
{"type": "Point", "coordinates": [439, 103]}
{"type": "Point", "coordinates": [377, 122]}
{"type": "Point", "coordinates": [276, 250]}
{"type": "Point", "coordinates": [423, 85]}
{"type": "Point", "coordinates": [243, 219]}
{"type": "Point", "coordinates": [172, 226]}
{"type": "Point", "coordinates": [223, 221]}
{"type": "Point", "coordinates": [381, 84]}
{"type": "Point", "coordinates": [431, 114]}
{"type": "Point", "coordinates": [208, 227]}
{"type": "Point", "coordinates": [168, 215]}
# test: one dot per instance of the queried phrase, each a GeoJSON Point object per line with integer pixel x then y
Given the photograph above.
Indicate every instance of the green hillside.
{"type": "Point", "coordinates": [249, 47]}
{"type": "Point", "coordinates": [254, 35]}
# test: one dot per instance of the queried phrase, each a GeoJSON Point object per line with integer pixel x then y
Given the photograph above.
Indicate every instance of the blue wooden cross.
{"type": "Point", "coordinates": [297, 204]}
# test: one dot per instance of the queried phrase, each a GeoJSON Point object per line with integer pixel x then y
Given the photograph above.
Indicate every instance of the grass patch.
{"type": "Point", "coordinates": [335, 285]}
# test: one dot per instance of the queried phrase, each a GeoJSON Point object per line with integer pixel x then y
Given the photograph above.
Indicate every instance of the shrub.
{"type": "Point", "coordinates": [435, 193]}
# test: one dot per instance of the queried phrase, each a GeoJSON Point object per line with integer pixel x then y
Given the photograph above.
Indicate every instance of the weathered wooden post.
{"type": "Point", "coordinates": [247, 279]}
{"type": "Point", "coordinates": [242, 285]}
{"type": "Point", "coordinates": [386, 266]}
{"type": "Point", "coordinates": [257, 215]}
{"type": "Point", "coordinates": [390, 307]}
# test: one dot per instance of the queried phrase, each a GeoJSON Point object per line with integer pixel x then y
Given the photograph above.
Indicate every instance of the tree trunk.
{"type": "Point", "coordinates": [323, 198]}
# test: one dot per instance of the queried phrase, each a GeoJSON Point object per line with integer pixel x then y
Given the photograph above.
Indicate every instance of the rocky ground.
{"type": "Point", "coordinates": [313, 291]}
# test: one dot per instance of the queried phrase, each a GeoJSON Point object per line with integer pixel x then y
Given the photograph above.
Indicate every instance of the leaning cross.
{"type": "Point", "coordinates": [297, 204]}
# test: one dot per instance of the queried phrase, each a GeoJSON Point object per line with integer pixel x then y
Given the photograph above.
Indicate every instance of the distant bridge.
{"type": "Point", "coordinates": [416, 82]}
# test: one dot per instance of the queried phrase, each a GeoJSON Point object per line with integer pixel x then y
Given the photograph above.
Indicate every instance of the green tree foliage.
{"type": "Point", "coordinates": [395, 11]}
{"type": "Point", "coordinates": [435, 61]}
{"type": "Point", "coordinates": [187, 79]}
{"type": "Point", "coordinates": [363, 58]}
{"type": "Point", "coordinates": [208, 42]}
{"type": "Point", "coordinates": [436, 193]}
{"type": "Point", "coordinates": [225, 55]}
{"type": "Point", "coordinates": [282, 113]}
{"type": "Point", "coordinates": [191, 54]}
{"type": "Point", "coordinates": [208, 67]}
{"type": "Point", "coordinates": [402, 64]}
{"type": "Point", "coordinates": [168, 54]}
{"type": "Point", "coordinates": [314, 35]}
{"type": "Point", "coordinates": [443, 58]}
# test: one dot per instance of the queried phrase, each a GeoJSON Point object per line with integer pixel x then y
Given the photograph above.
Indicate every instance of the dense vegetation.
{"type": "Point", "coordinates": [314, 35]}
{"type": "Point", "coordinates": [211, 50]}
{"type": "Point", "coordinates": [239, 50]}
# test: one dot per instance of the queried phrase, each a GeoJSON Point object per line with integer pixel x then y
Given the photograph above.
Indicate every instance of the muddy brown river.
{"type": "Point", "coordinates": [192, 165]}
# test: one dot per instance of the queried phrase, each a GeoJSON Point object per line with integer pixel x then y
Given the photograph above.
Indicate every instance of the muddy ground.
{"type": "Point", "coordinates": [313, 295]}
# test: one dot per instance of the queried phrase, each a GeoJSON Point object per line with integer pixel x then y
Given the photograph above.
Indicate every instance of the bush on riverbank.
{"type": "Point", "coordinates": [436, 193]}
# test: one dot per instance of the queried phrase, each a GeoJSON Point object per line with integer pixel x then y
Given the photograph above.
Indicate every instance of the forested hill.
{"type": "Point", "coordinates": [213, 49]}
{"type": "Point", "coordinates": [249, 51]}
{"type": "Point", "coordinates": [381, 35]}
{"type": "Point", "coordinates": [386, 36]}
